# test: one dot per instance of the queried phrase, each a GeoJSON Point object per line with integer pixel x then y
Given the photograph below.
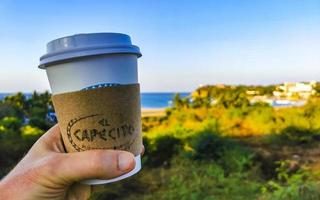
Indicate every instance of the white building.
{"type": "Point", "coordinates": [299, 89]}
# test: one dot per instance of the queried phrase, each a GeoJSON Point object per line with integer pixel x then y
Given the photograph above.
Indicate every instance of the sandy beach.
{"type": "Point", "coordinates": [153, 112]}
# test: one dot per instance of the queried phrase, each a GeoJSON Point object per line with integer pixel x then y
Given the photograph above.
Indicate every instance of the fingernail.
{"type": "Point", "coordinates": [125, 161]}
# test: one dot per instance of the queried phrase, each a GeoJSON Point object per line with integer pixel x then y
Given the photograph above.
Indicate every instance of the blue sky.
{"type": "Point", "coordinates": [184, 43]}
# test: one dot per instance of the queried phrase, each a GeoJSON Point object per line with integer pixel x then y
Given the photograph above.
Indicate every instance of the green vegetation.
{"type": "Point", "coordinates": [213, 145]}
{"type": "Point", "coordinates": [22, 122]}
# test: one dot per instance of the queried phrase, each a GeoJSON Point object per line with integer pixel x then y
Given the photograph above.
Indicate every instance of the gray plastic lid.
{"type": "Point", "coordinates": [82, 45]}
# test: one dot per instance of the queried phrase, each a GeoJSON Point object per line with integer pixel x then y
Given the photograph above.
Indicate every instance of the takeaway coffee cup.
{"type": "Point", "coordinates": [94, 83]}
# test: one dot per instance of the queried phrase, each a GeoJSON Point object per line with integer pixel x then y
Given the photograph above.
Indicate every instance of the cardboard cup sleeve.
{"type": "Point", "coordinates": [101, 118]}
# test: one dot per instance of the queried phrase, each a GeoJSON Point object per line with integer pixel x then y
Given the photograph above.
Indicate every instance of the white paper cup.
{"type": "Point", "coordinates": [84, 61]}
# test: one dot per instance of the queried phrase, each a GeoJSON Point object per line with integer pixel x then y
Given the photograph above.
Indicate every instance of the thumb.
{"type": "Point", "coordinates": [100, 164]}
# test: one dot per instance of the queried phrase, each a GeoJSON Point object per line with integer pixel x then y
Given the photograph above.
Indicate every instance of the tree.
{"type": "Point", "coordinates": [9, 110]}
{"type": "Point", "coordinates": [317, 88]}
{"type": "Point", "coordinates": [18, 100]}
{"type": "Point", "coordinates": [233, 98]}
{"type": "Point", "coordinates": [177, 102]}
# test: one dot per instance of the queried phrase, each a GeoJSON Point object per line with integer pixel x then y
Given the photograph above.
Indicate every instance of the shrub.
{"type": "Point", "coordinates": [12, 123]}
{"type": "Point", "coordinates": [207, 145]}
{"type": "Point", "coordinates": [161, 149]}
{"type": "Point", "coordinates": [195, 179]}
{"type": "Point", "coordinates": [294, 135]}
{"type": "Point", "coordinates": [291, 186]}
{"type": "Point", "coordinates": [231, 155]}
{"type": "Point", "coordinates": [237, 159]}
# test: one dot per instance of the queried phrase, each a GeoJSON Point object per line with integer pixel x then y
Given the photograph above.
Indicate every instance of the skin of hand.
{"type": "Point", "coordinates": [48, 172]}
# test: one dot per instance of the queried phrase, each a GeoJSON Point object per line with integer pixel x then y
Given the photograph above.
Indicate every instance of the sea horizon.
{"type": "Point", "coordinates": [149, 100]}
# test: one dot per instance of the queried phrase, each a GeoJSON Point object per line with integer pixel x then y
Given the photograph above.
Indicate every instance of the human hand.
{"type": "Point", "coordinates": [48, 172]}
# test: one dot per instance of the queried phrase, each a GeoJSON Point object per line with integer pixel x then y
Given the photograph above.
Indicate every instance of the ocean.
{"type": "Point", "coordinates": [148, 100]}
{"type": "Point", "coordinates": [154, 100]}
{"type": "Point", "coordinates": [158, 100]}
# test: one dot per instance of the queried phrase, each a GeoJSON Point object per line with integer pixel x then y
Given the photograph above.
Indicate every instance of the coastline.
{"type": "Point", "coordinates": [153, 112]}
